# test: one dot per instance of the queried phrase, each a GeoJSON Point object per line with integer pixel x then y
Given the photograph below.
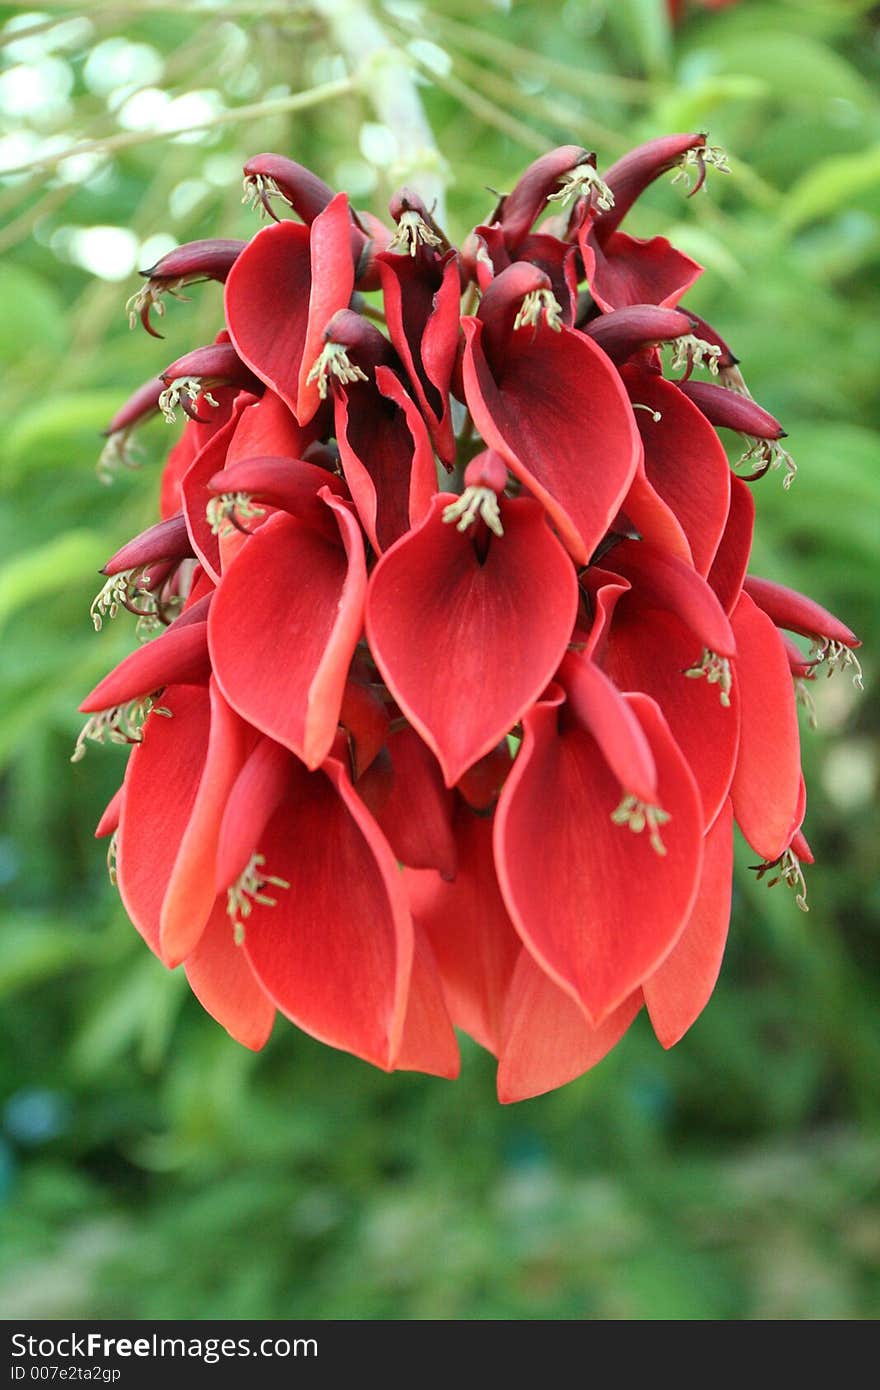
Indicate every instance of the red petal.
{"type": "Point", "coordinates": [466, 647]}
{"type": "Point", "coordinates": [677, 993]}
{"type": "Point", "coordinates": [548, 399]}
{"type": "Point", "coordinates": [266, 428]}
{"type": "Point", "coordinates": [547, 1042]}
{"type": "Point", "coordinates": [110, 818]}
{"type": "Point", "coordinates": [663, 581]}
{"type": "Point", "coordinates": [190, 894]}
{"type": "Point", "coordinates": [732, 556]}
{"type": "Point", "coordinates": [650, 651]}
{"type": "Point", "coordinates": [473, 938]}
{"type": "Point", "coordinates": [332, 270]}
{"type": "Point", "coordinates": [422, 308]}
{"type": "Point", "coordinates": [684, 461]}
{"type": "Point", "coordinates": [258, 790]}
{"type": "Point", "coordinates": [386, 456]}
{"type": "Point", "coordinates": [428, 1043]}
{"type": "Point", "coordinates": [222, 980]}
{"type": "Point", "coordinates": [167, 540]}
{"type": "Point", "coordinates": [605, 714]}
{"type": "Point", "coordinates": [160, 789]}
{"type": "Point", "coordinates": [416, 815]}
{"type": "Point", "coordinates": [284, 626]}
{"type": "Point", "coordinates": [627, 270]}
{"type": "Point", "coordinates": [766, 783]}
{"type": "Point", "coordinates": [178, 657]}
{"type": "Point", "coordinates": [596, 905]}
{"type": "Point", "coordinates": [196, 495]}
{"type": "Point", "coordinates": [335, 952]}
{"type": "Point", "coordinates": [267, 305]}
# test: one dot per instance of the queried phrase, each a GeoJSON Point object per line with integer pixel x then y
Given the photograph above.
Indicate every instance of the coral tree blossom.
{"type": "Point", "coordinates": [453, 680]}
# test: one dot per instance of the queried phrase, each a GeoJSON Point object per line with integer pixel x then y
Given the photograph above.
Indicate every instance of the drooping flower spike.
{"type": "Point", "coordinates": [455, 681]}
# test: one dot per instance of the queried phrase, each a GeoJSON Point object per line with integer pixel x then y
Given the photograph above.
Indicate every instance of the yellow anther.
{"type": "Point", "coordinates": [120, 724]}
{"type": "Point", "coordinates": [699, 159]}
{"type": "Point", "coordinates": [230, 511]}
{"type": "Point", "coordinates": [583, 179]}
{"type": "Point", "coordinates": [333, 361]}
{"type": "Point", "coordinates": [790, 873]}
{"type": "Point", "coordinates": [638, 814]}
{"type": "Point", "coordinates": [247, 891]}
{"type": "Point", "coordinates": [190, 387]}
{"type": "Point", "coordinates": [689, 351]}
{"type": "Point", "coordinates": [259, 189]}
{"type": "Point", "coordinates": [716, 669]}
{"type": "Point", "coordinates": [475, 502]}
{"type": "Point", "coordinates": [413, 232]}
{"type": "Point", "coordinates": [536, 303]}
{"type": "Point", "coordinates": [835, 656]}
{"type": "Point", "coordinates": [769, 453]}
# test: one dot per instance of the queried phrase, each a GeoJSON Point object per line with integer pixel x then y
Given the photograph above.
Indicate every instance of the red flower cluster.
{"type": "Point", "coordinates": [410, 755]}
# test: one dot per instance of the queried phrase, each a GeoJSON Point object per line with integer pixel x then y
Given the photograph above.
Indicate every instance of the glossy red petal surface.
{"type": "Point", "coordinates": [190, 895]}
{"type": "Point", "coordinates": [473, 939]}
{"type": "Point", "coordinates": [222, 980]}
{"type": "Point", "coordinates": [546, 1041]}
{"type": "Point", "coordinates": [594, 902]}
{"type": "Point", "coordinates": [548, 399]}
{"type": "Point", "coordinates": [267, 306]}
{"type": "Point", "coordinates": [677, 993]}
{"type": "Point", "coordinates": [767, 781]}
{"type": "Point", "coordinates": [284, 626]}
{"type": "Point", "coordinates": [428, 1043]}
{"type": "Point", "coordinates": [160, 789]}
{"type": "Point", "coordinates": [465, 647]}
{"type": "Point", "coordinates": [335, 952]}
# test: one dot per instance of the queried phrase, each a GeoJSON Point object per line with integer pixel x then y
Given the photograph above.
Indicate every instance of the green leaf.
{"type": "Point", "coordinates": [36, 573]}
{"type": "Point", "coordinates": [830, 187]}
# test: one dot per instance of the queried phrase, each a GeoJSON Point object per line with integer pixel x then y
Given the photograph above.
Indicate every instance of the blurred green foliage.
{"type": "Point", "coordinates": [150, 1168]}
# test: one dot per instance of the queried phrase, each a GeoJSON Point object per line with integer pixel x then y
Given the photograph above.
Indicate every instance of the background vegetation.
{"type": "Point", "coordinates": [149, 1167]}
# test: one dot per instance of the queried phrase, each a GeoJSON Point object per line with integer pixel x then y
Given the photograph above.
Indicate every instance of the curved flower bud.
{"type": "Point", "coordinates": [185, 265]}
{"type": "Point", "coordinates": [626, 331]}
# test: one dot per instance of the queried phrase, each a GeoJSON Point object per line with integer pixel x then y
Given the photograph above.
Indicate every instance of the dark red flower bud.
{"type": "Point", "coordinates": [625, 331]}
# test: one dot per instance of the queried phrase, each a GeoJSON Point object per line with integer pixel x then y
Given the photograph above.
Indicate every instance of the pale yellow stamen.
{"type": "Point", "coordinates": [790, 873]}
{"type": "Point", "coordinates": [583, 179]}
{"type": "Point", "coordinates": [805, 699]}
{"type": "Point", "coordinates": [258, 189]}
{"type": "Point", "coordinates": [190, 387]}
{"type": "Point", "coordinates": [333, 361]}
{"type": "Point", "coordinates": [413, 232]}
{"type": "Point", "coordinates": [230, 511]}
{"type": "Point", "coordinates": [699, 159]}
{"type": "Point", "coordinates": [121, 590]}
{"type": "Point", "coordinates": [536, 303]}
{"type": "Point", "coordinates": [112, 851]}
{"type": "Point", "coordinates": [118, 452]}
{"type": "Point", "coordinates": [837, 657]}
{"type": "Point", "coordinates": [689, 351]}
{"type": "Point", "coordinates": [655, 415]}
{"type": "Point", "coordinates": [121, 724]}
{"type": "Point", "coordinates": [475, 502]}
{"type": "Point", "coordinates": [247, 891]}
{"type": "Point", "coordinates": [638, 814]}
{"type": "Point", "coordinates": [769, 453]}
{"type": "Point", "coordinates": [716, 669]}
